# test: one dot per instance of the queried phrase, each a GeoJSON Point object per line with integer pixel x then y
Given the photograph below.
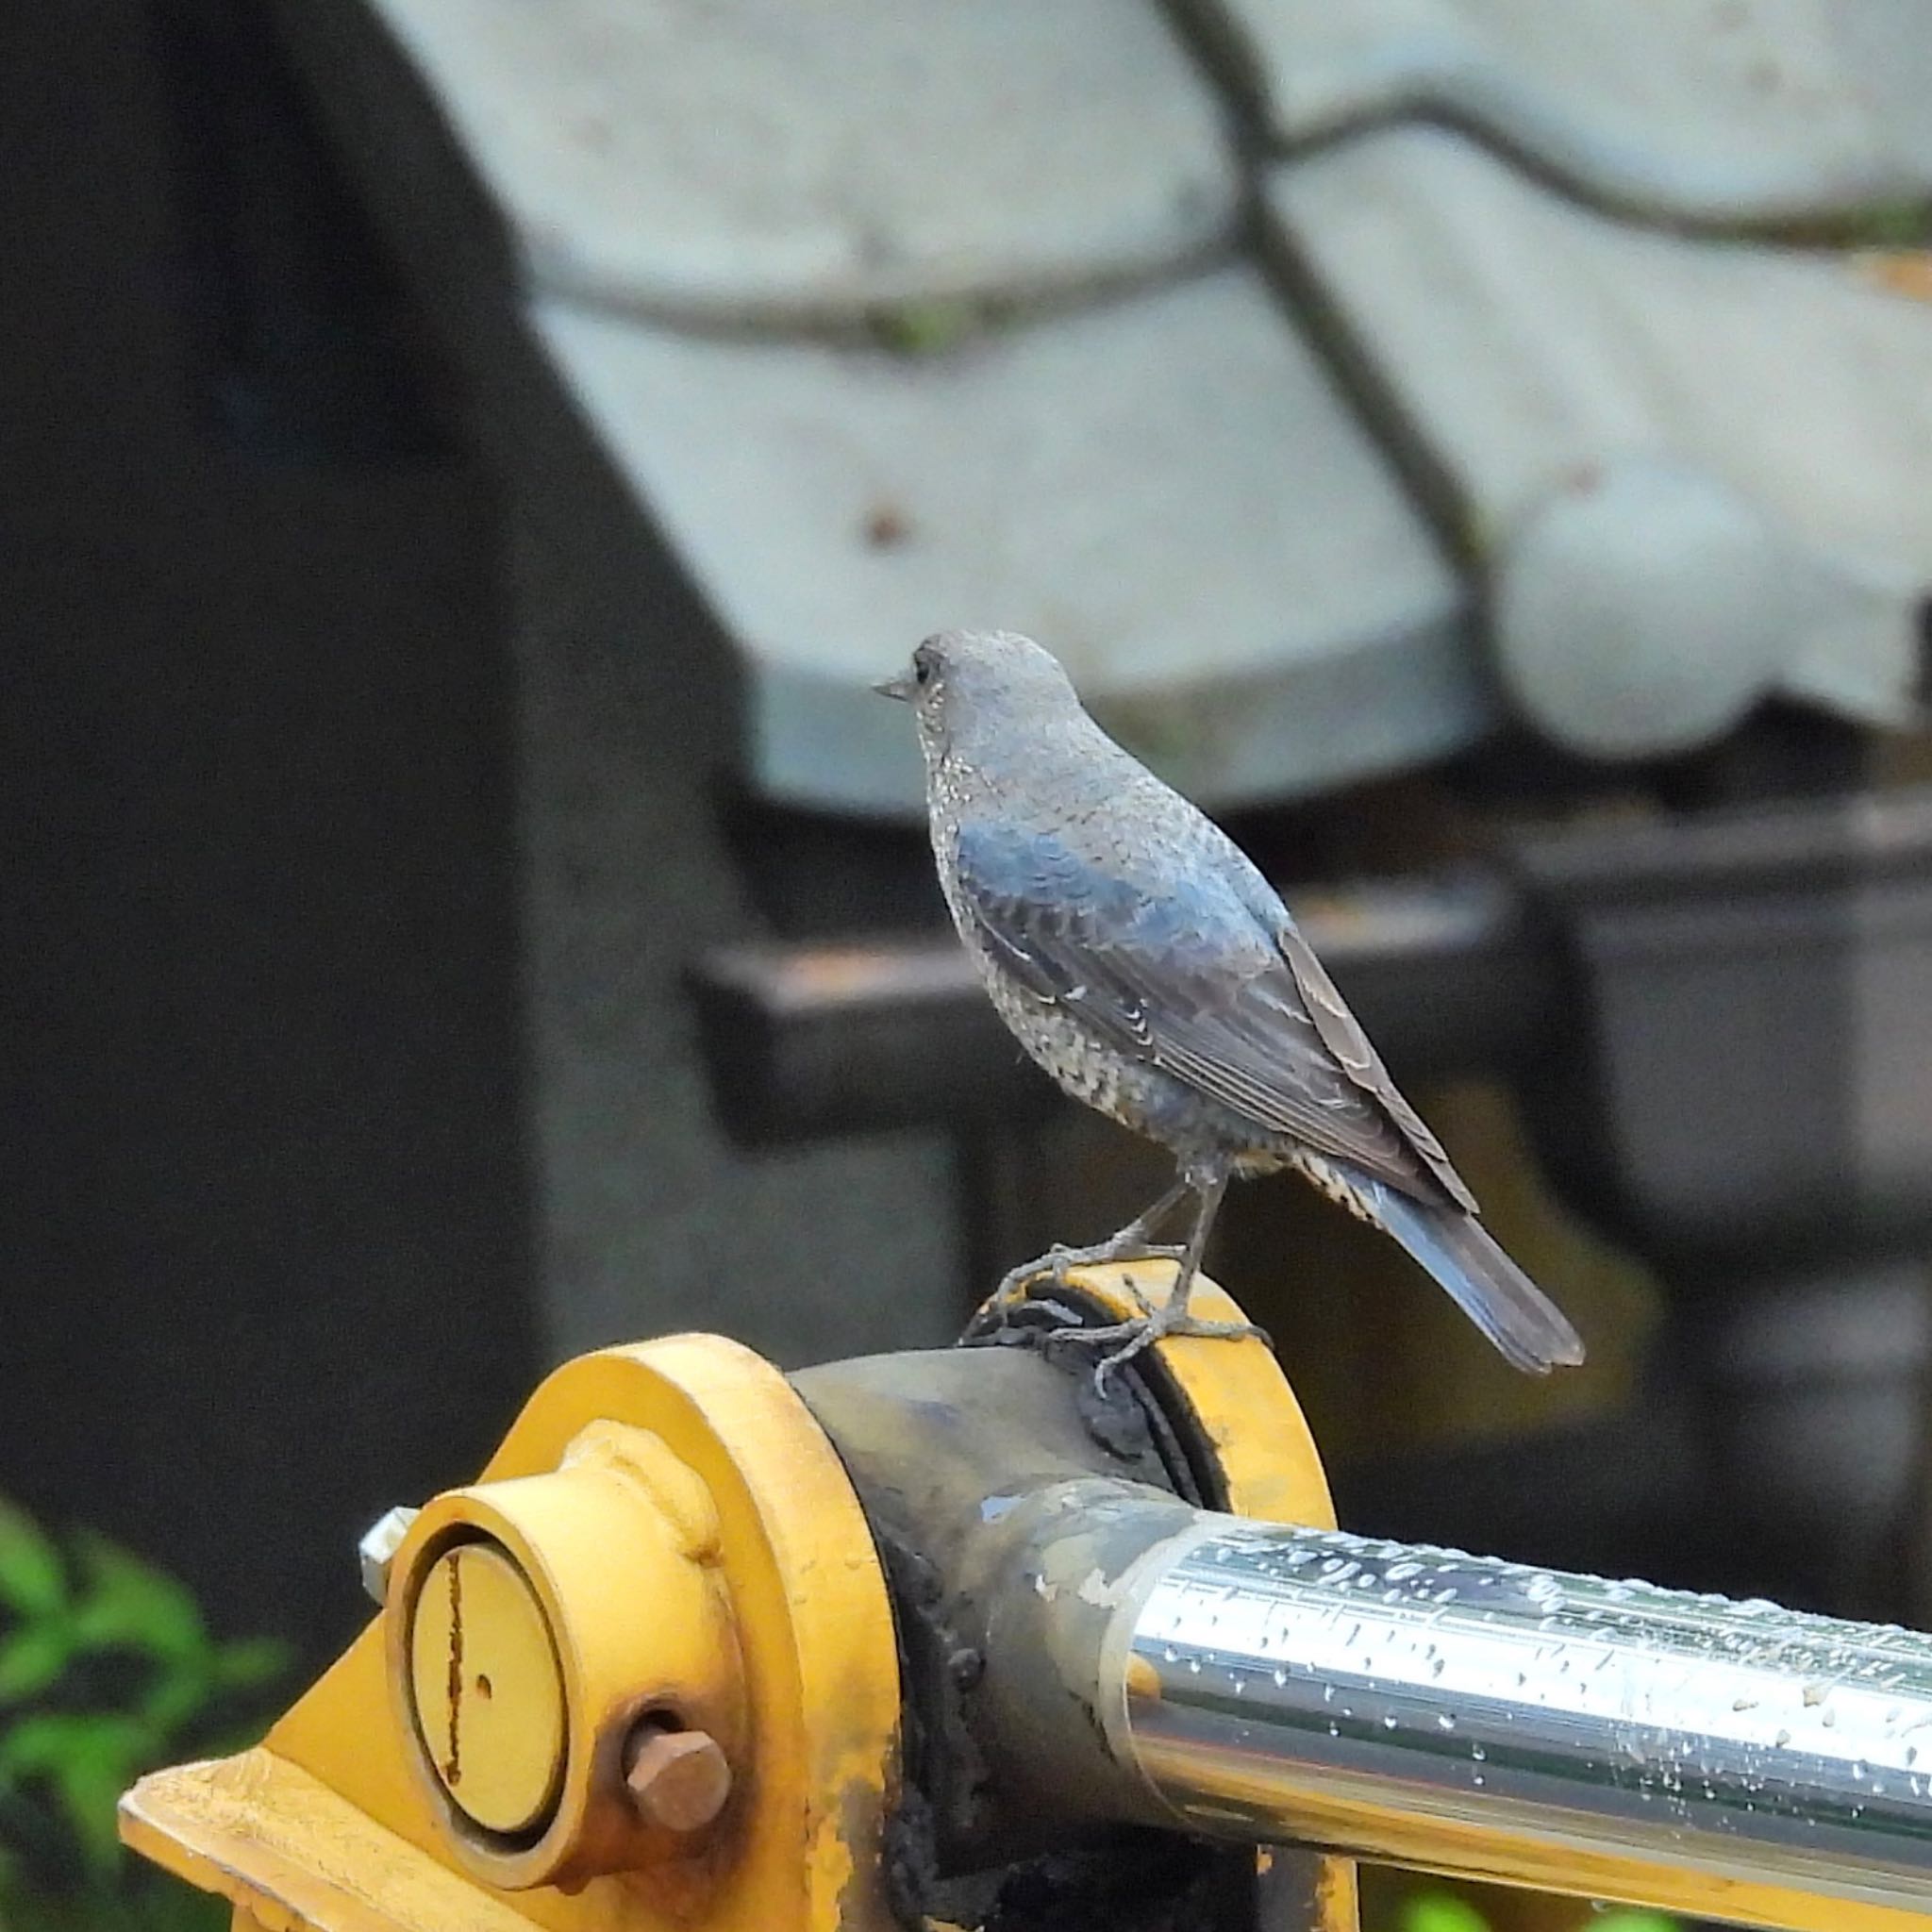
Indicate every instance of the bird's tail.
{"type": "Point", "coordinates": [1528, 1330]}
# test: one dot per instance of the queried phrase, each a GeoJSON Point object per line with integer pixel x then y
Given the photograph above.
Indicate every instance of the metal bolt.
{"type": "Point", "coordinates": [678, 1779]}
{"type": "Point", "coordinates": [378, 1547]}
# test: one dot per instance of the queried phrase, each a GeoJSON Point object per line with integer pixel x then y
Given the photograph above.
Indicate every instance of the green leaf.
{"type": "Point", "coordinates": [87, 1761]}
{"type": "Point", "coordinates": [33, 1657]}
{"type": "Point", "coordinates": [246, 1663]}
{"type": "Point", "coordinates": [31, 1579]}
{"type": "Point", "coordinates": [1440, 1911]}
{"type": "Point", "coordinates": [185, 1688]}
{"type": "Point", "coordinates": [182, 1689]}
{"type": "Point", "coordinates": [178, 1908]}
{"type": "Point", "coordinates": [129, 1603]}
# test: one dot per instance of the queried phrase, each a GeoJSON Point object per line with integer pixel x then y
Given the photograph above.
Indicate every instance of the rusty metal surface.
{"type": "Point", "coordinates": [1002, 1490]}
{"type": "Point", "coordinates": [947, 1450]}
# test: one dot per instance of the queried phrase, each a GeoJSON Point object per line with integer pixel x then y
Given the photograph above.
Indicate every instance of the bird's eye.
{"type": "Point", "coordinates": [922, 669]}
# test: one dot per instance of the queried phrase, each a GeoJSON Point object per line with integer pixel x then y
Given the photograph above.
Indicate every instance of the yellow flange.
{"type": "Point", "coordinates": [596, 1666]}
{"type": "Point", "coordinates": [1264, 1461]}
{"type": "Point", "coordinates": [665, 1541]}
{"type": "Point", "coordinates": [642, 1674]}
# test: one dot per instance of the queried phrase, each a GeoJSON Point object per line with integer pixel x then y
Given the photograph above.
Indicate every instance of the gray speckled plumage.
{"type": "Point", "coordinates": [1139, 955]}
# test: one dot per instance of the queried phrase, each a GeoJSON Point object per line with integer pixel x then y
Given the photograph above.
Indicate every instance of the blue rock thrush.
{"type": "Point", "coordinates": [1139, 955]}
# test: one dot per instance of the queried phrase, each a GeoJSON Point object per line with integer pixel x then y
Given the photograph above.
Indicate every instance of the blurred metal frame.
{"type": "Point", "coordinates": [1716, 1019]}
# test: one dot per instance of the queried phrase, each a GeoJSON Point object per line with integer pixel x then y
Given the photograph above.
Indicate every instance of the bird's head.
{"type": "Point", "coordinates": [964, 683]}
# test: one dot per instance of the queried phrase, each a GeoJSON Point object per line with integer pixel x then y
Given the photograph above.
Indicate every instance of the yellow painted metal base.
{"type": "Point", "coordinates": [666, 1540]}
{"type": "Point", "coordinates": [680, 1524]}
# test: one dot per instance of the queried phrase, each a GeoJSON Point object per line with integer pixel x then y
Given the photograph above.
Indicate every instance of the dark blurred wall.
{"type": "Point", "coordinates": [264, 1248]}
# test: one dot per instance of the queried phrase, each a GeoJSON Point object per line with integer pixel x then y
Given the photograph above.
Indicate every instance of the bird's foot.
{"type": "Point", "coordinates": [1135, 1336]}
{"type": "Point", "coordinates": [1059, 1262]}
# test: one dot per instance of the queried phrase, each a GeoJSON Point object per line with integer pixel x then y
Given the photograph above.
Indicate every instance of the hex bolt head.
{"type": "Point", "coordinates": [677, 1779]}
{"type": "Point", "coordinates": [377, 1549]}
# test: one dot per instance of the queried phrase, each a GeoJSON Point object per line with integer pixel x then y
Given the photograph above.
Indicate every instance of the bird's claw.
{"type": "Point", "coordinates": [1059, 1262]}
{"type": "Point", "coordinates": [1136, 1336]}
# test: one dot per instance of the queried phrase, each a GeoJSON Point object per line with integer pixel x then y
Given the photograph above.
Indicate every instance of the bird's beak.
{"type": "Point", "coordinates": [900, 688]}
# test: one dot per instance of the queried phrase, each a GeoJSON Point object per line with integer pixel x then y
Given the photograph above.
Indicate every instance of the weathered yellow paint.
{"type": "Point", "coordinates": [666, 1527]}
{"type": "Point", "coordinates": [488, 1693]}
{"type": "Point", "coordinates": [616, 1487]}
{"type": "Point", "coordinates": [727, 1487]}
{"type": "Point", "coordinates": [1240, 1399]}
{"type": "Point", "coordinates": [1242, 1406]}
{"type": "Point", "coordinates": [294, 1854]}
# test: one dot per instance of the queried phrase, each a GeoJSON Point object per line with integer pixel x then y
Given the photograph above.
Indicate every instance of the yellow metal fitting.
{"type": "Point", "coordinates": [643, 1676]}
{"type": "Point", "coordinates": [542, 1799]}
{"type": "Point", "coordinates": [665, 1547]}
{"type": "Point", "coordinates": [486, 1689]}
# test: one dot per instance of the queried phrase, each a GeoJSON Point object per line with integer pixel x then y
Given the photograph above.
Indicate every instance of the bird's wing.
{"type": "Point", "coordinates": [1342, 1035]}
{"type": "Point", "coordinates": [1180, 973]}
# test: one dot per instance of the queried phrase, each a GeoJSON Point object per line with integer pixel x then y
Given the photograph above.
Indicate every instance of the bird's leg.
{"type": "Point", "coordinates": [1213, 1194]}
{"type": "Point", "coordinates": [1173, 1317]}
{"type": "Point", "coordinates": [1131, 1242]}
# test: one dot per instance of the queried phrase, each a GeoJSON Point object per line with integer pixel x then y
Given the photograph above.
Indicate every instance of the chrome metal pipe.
{"type": "Point", "coordinates": [1436, 1708]}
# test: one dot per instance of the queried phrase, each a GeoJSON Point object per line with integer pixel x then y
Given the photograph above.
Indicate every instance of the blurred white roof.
{"type": "Point", "coordinates": [897, 314]}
